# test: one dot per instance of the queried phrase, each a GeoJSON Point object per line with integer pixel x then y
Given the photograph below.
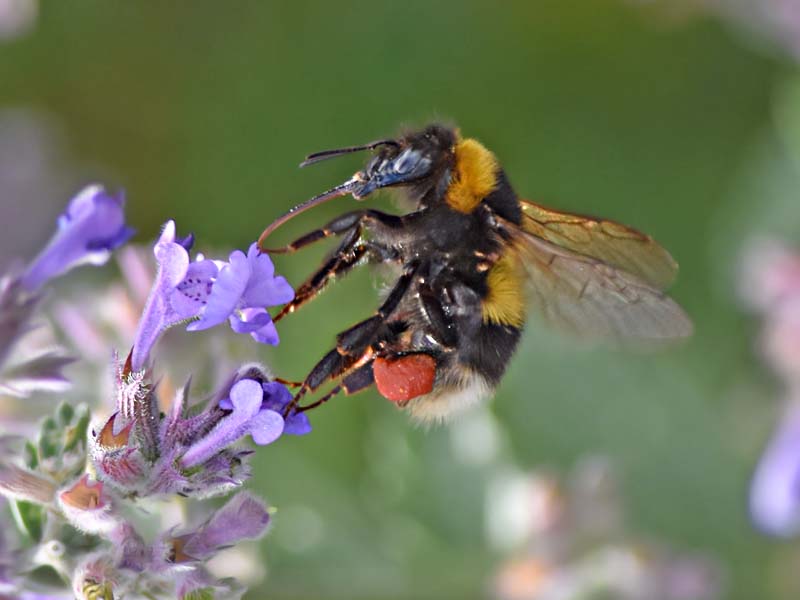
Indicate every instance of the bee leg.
{"type": "Point", "coordinates": [361, 335]}
{"type": "Point", "coordinates": [358, 380]}
{"type": "Point", "coordinates": [353, 345]}
{"type": "Point", "coordinates": [331, 366]}
{"type": "Point", "coordinates": [356, 220]}
{"type": "Point", "coordinates": [348, 255]}
{"type": "Point", "coordinates": [442, 324]}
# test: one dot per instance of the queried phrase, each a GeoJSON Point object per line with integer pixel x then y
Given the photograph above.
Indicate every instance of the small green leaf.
{"type": "Point", "coordinates": [77, 433]}
{"type": "Point", "coordinates": [49, 439]}
{"type": "Point", "coordinates": [30, 455]}
{"type": "Point", "coordinates": [64, 414]}
{"type": "Point", "coordinates": [29, 518]}
{"type": "Point", "coordinates": [206, 593]}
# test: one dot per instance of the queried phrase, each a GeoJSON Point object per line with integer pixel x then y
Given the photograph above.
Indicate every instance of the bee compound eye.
{"type": "Point", "coordinates": [406, 162]}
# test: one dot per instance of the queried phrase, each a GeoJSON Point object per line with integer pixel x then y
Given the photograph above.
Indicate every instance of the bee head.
{"type": "Point", "coordinates": [418, 160]}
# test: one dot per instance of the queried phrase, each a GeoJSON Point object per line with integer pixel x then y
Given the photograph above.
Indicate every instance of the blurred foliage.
{"type": "Point", "coordinates": [202, 111]}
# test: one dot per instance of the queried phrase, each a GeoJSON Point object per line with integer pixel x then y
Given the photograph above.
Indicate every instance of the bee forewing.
{"type": "Point", "coordinates": [617, 245]}
{"type": "Point", "coordinates": [593, 299]}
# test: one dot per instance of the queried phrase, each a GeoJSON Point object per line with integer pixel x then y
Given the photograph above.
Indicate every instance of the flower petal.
{"type": "Point", "coordinates": [91, 227]}
{"type": "Point", "coordinates": [246, 397]}
{"type": "Point", "coordinates": [268, 292]}
{"type": "Point", "coordinates": [277, 398]}
{"type": "Point", "coordinates": [225, 293]}
{"type": "Point", "coordinates": [173, 263]}
{"type": "Point", "coordinates": [775, 491]}
{"type": "Point", "coordinates": [257, 322]}
{"type": "Point", "coordinates": [159, 314]}
{"type": "Point", "coordinates": [191, 294]}
{"type": "Point", "coordinates": [264, 289]}
{"type": "Point", "coordinates": [243, 517]}
{"type": "Point", "coordinates": [266, 427]}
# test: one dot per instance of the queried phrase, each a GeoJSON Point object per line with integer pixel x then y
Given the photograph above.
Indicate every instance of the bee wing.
{"type": "Point", "coordinates": [593, 298]}
{"type": "Point", "coordinates": [614, 244]}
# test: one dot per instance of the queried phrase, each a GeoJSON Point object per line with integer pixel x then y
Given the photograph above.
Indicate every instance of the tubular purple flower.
{"type": "Point", "coordinates": [277, 398]}
{"type": "Point", "coordinates": [774, 492]}
{"type": "Point", "coordinates": [247, 417]}
{"type": "Point", "coordinates": [92, 226]}
{"type": "Point", "coordinates": [209, 292]}
{"type": "Point", "coordinates": [243, 517]}
{"type": "Point", "coordinates": [245, 286]}
{"type": "Point", "coordinates": [179, 292]}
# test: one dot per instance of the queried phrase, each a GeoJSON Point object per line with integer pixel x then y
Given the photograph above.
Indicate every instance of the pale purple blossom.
{"type": "Point", "coordinates": [140, 451]}
{"type": "Point", "coordinates": [243, 517]}
{"type": "Point", "coordinates": [277, 398]}
{"type": "Point", "coordinates": [770, 284]}
{"type": "Point", "coordinates": [82, 473]}
{"type": "Point", "coordinates": [243, 288]}
{"type": "Point", "coordinates": [178, 293]}
{"type": "Point", "coordinates": [207, 293]}
{"type": "Point", "coordinates": [769, 274]}
{"type": "Point", "coordinates": [775, 490]}
{"type": "Point", "coordinates": [92, 226]}
{"type": "Point", "coordinates": [39, 373]}
{"type": "Point", "coordinates": [17, 17]}
{"type": "Point", "coordinates": [247, 417]}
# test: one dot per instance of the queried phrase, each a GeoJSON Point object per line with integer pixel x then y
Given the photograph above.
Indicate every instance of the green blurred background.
{"type": "Point", "coordinates": [203, 110]}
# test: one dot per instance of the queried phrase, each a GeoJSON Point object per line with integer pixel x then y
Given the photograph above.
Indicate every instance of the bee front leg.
{"type": "Point", "coordinates": [358, 220]}
{"type": "Point", "coordinates": [383, 229]}
{"type": "Point", "coordinates": [347, 256]}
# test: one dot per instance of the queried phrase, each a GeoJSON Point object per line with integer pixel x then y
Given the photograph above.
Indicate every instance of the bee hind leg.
{"type": "Point", "coordinates": [354, 346]}
{"type": "Point", "coordinates": [358, 380]}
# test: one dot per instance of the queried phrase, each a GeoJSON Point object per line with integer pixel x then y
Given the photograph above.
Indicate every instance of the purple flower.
{"type": "Point", "coordinates": [244, 287]}
{"type": "Point", "coordinates": [179, 292]}
{"type": "Point", "coordinates": [775, 490]}
{"type": "Point", "coordinates": [42, 372]}
{"type": "Point", "coordinates": [243, 517]}
{"type": "Point", "coordinates": [141, 451]}
{"type": "Point", "coordinates": [92, 226]}
{"type": "Point", "coordinates": [277, 398]}
{"type": "Point", "coordinates": [247, 417]}
{"type": "Point", "coordinates": [209, 292]}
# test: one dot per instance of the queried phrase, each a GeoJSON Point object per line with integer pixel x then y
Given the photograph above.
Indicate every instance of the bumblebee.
{"type": "Point", "coordinates": [472, 259]}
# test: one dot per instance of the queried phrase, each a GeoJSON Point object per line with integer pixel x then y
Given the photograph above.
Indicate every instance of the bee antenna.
{"type": "Point", "coordinates": [326, 154]}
